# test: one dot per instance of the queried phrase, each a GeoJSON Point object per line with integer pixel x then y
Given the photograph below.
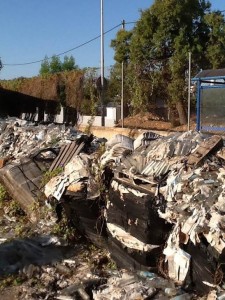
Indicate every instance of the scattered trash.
{"type": "Point", "coordinates": [155, 203]}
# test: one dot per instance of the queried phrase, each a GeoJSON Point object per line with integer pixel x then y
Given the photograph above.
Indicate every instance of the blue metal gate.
{"type": "Point", "coordinates": [210, 104]}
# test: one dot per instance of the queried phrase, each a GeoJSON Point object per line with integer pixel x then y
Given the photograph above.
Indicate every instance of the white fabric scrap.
{"type": "Point", "coordinates": [178, 260]}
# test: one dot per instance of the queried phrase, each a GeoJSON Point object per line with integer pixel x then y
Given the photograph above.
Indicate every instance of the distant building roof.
{"type": "Point", "coordinates": [211, 73]}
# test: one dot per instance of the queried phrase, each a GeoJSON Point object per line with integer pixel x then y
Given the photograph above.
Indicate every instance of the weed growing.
{"type": "Point", "coordinates": [48, 175]}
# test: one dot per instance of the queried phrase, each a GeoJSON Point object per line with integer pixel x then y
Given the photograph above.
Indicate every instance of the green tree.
{"type": "Point", "coordinates": [158, 50]}
{"type": "Point", "coordinates": [55, 64]}
{"type": "Point", "coordinates": [121, 45]}
{"type": "Point", "coordinates": [45, 67]}
{"type": "Point", "coordinates": [69, 64]}
{"type": "Point", "coordinates": [215, 49]}
{"type": "Point", "coordinates": [114, 84]}
{"type": "Point", "coordinates": [164, 35]}
{"type": "Point", "coordinates": [90, 94]}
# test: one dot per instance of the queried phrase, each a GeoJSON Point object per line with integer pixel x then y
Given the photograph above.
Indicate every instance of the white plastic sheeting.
{"type": "Point", "coordinates": [74, 171]}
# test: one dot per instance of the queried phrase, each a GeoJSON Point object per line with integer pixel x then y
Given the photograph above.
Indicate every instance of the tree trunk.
{"type": "Point", "coordinates": [181, 112]}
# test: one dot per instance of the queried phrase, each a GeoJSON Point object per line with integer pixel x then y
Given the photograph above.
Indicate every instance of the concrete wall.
{"type": "Point", "coordinates": [30, 116]}
{"type": "Point", "coordinates": [57, 118]}
{"type": "Point", "coordinates": [109, 132]}
{"type": "Point", "coordinates": [111, 118]}
{"type": "Point", "coordinates": [62, 117]}
{"type": "Point", "coordinates": [83, 120]}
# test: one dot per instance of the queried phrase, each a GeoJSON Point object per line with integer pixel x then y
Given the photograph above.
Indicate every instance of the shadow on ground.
{"type": "Point", "coordinates": [19, 253]}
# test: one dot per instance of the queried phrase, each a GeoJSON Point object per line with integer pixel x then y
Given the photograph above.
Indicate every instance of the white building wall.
{"type": "Point", "coordinates": [83, 120]}
{"type": "Point", "coordinates": [110, 119]}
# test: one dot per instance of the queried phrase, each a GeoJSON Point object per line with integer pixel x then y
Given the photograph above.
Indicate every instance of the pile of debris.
{"type": "Point", "coordinates": [167, 201]}
{"type": "Point", "coordinates": [156, 203]}
{"type": "Point", "coordinates": [20, 138]}
{"type": "Point", "coordinates": [28, 152]}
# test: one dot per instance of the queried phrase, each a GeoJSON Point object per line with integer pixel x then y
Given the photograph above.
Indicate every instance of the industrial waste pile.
{"type": "Point", "coordinates": [156, 203]}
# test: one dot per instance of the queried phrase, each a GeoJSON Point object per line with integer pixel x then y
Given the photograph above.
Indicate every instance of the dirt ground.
{"type": "Point", "coordinates": [152, 121]}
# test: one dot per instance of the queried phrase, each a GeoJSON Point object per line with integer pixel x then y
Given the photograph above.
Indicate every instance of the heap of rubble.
{"type": "Point", "coordinates": [156, 203]}
{"type": "Point", "coordinates": [167, 200]}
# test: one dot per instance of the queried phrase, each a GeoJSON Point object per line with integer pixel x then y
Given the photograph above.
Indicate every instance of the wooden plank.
{"type": "Point", "coordinates": [3, 161]}
{"type": "Point", "coordinates": [66, 154]}
{"type": "Point", "coordinates": [145, 188]}
{"type": "Point", "coordinates": [125, 174]}
{"type": "Point", "coordinates": [81, 146]}
{"type": "Point", "coordinates": [76, 151]}
{"type": "Point", "coordinates": [69, 151]}
{"type": "Point", "coordinates": [204, 149]}
{"type": "Point", "coordinates": [221, 154]}
{"type": "Point", "coordinates": [55, 162]}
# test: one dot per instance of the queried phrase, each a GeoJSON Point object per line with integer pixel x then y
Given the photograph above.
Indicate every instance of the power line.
{"type": "Point", "coordinates": [127, 23]}
{"type": "Point", "coordinates": [64, 52]}
{"type": "Point", "coordinates": [74, 48]}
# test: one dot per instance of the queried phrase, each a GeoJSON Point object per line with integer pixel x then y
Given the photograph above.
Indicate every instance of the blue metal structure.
{"type": "Point", "coordinates": [210, 102]}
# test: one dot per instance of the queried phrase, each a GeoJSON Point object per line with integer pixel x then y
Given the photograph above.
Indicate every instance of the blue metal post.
{"type": "Point", "coordinates": [198, 123]}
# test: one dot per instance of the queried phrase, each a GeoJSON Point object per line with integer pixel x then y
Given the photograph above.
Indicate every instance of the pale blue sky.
{"type": "Point", "coordinates": [31, 29]}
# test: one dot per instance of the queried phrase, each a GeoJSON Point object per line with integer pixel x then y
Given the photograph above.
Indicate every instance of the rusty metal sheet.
{"type": "Point", "coordinates": [205, 148]}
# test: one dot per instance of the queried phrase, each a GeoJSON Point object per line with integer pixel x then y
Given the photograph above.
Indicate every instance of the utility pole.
{"type": "Point", "coordinates": [122, 85]}
{"type": "Point", "coordinates": [189, 91]}
{"type": "Point", "coordinates": [102, 91]}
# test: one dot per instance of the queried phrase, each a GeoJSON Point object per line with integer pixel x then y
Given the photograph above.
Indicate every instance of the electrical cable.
{"type": "Point", "coordinates": [127, 23]}
{"type": "Point", "coordinates": [64, 52]}
{"type": "Point", "coordinates": [74, 48]}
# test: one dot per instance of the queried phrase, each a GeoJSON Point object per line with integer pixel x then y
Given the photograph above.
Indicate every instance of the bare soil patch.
{"type": "Point", "coordinates": [152, 121]}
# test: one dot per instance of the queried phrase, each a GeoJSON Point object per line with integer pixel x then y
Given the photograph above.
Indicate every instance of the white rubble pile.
{"type": "Point", "coordinates": [194, 194]}
{"type": "Point", "coordinates": [20, 138]}
{"type": "Point", "coordinates": [139, 285]}
{"type": "Point", "coordinates": [116, 148]}
{"type": "Point", "coordinates": [196, 203]}
{"type": "Point", "coordinates": [156, 173]}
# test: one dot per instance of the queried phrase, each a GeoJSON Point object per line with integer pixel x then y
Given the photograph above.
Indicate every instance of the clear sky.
{"type": "Point", "coordinates": [31, 29]}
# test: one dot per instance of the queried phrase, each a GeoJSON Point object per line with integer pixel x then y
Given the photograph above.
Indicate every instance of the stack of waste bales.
{"type": "Point", "coordinates": [86, 214]}
{"type": "Point", "coordinates": [136, 232]}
